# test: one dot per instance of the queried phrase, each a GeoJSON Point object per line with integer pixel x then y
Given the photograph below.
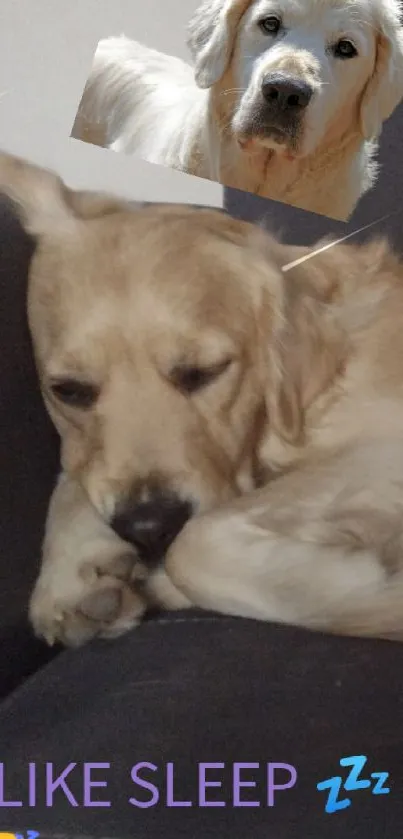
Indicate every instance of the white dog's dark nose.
{"type": "Point", "coordinates": [152, 525]}
{"type": "Point", "coordinates": [286, 94]}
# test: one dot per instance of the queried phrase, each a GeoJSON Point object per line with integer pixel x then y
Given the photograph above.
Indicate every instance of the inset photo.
{"type": "Point", "coordinates": [285, 99]}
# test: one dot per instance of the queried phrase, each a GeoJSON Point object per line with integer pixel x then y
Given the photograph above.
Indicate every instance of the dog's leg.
{"type": "Point", "coordinates": [320, 548]}
{"type": "Point", "coordinates": [88, 582]}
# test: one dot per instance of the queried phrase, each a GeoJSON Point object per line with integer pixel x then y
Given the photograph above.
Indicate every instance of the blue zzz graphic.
{"type": "Point", "coordinates": [354, 782]}
{"type": "Point", "coordinates": [30, 834]}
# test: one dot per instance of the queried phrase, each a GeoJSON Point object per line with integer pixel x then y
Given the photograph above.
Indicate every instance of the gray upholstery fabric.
{"type": "Point", "coordinates": [28, 461]}
{"type": "Point", "coordinates": [187, 689]}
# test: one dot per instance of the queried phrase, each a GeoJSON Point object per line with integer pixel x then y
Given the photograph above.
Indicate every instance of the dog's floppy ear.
{"type": "Point", "coordinates": [384, 90]}
{"type": "Point", "coordinates": [43, 202]}
{"type": "Point", "coordinates": [39, 195]}
{"type": "Point", "coordinates": [301, 361]}
{"type": "Point", "coordinates": [302, 346]}
{"type": "Point", "coordinates": [211, 35]}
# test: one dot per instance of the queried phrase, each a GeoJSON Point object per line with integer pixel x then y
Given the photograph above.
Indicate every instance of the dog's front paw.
{"type": "Point", "coordinates": [99, 599]}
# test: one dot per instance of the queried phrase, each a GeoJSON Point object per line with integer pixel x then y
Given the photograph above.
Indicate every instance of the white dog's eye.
{"type": "Point", "coordinates": [270, 25]}
{"type": "Point", "coordinates": [344, 49]}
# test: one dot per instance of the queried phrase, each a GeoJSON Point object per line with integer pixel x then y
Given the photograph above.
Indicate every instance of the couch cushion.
{"type": "Point", "coordinates": [188, 689]}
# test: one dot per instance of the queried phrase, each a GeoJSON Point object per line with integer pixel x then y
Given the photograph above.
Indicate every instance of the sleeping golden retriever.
{"type": "Point", "coordinates": [232, 434]}
{"type": "Point", "coordinates": [286, 99]}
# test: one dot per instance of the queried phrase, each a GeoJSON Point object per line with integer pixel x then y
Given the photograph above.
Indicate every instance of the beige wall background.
{"type": "Point", "coordinates": [46, 50]}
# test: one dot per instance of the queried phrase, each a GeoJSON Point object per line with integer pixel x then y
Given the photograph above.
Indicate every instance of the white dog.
{"type": "Point", "coordinates": [286, 99]}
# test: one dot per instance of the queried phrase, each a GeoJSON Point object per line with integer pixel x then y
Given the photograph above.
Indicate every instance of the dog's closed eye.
{"type": "Point", "coordinates": [190, 378]}
{"type": "Point", "coordinates": [75, 393]}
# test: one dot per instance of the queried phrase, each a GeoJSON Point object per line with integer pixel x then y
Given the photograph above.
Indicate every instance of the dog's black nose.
{"type": "Point", "coordinates": [285, 93]}
{"type": "Point", "coordinates": [152, 525]}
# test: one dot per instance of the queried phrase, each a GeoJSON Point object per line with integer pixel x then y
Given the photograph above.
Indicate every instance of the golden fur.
{"type": "Point", "coordinates": [291, 453]}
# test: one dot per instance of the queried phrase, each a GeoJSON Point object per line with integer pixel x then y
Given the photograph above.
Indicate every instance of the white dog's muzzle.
{"type": "Point", "coordinates": [276, 105]}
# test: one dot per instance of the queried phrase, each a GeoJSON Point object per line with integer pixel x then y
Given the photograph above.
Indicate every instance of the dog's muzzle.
{"type": "Point", "coordinates": [152, 525]}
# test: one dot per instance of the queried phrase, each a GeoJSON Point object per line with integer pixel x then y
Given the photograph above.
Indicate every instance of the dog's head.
{"type": "Point", "coordinates": [173, 356]}
{"type": "Point", "coordinates": [292, 73]}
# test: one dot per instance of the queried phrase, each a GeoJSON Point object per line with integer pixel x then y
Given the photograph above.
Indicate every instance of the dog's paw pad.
{"type": "Point", "coordinates": [96, 604]}
{"type": "Point", "coordinates": [101, 605]}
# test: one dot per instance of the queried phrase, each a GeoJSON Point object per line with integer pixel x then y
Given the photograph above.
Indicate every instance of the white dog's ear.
{"type": "Point", "coordinates": [211, 35]}
{"type": "Point", "coordinates": [384, 90]}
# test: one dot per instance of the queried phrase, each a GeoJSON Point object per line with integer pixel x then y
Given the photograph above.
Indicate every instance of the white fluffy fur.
{"type": "Point", "coordinates": [146, 102]}
{"type": "Point", "coordinates": [138, 100]}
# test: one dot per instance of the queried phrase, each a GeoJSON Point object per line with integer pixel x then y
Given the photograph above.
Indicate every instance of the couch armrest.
{"type": "Point", "coordinates": [28, 456]}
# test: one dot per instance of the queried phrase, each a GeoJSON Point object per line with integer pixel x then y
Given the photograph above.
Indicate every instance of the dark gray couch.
{"type": "Point", "coordinates": [183, 688]}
